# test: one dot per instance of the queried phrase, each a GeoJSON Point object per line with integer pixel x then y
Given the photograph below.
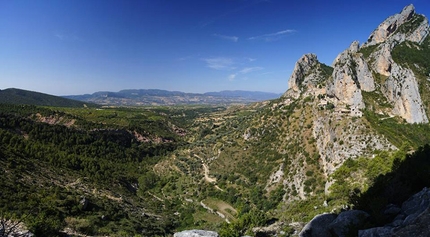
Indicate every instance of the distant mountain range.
{"type": "Point", "coordinates": [163, 97]}
{"type": "Point", "coordinates": [19, 96]}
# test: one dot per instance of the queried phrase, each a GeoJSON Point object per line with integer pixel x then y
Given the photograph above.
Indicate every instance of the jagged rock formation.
{"type": "Point", "coordinates": [361, 74]}
{"type": "Point", "coordinates": [341, 91]}
{"type": "Point", "coordinates": [389, 29]}
{"type": "Point", "coordinates": [306, 76]}
{"type": "Point", "coordinates": [351, 75]}
{"type": "Point", "coordinates": [411, 219]}
{"type": "Point", "coordinates": [401, 87]}
{"type": "Point", "coordinates": [390, 25]}
{"type": "Point", "coordinates": [354, 73]}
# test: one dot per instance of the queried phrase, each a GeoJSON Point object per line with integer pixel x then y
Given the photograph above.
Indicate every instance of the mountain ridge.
{"type": "Point", "coordinates": [20, 96]}
{"type": "Point", "coordinates": [132, 97]}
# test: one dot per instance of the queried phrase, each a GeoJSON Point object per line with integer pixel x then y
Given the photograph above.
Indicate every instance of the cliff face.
{"type": "Point", "coordinates": [306, 76]}
{"type": "Point", "coordinates": [401, 87]}
{"type": "Point", "coordinates": [354, 72]}
{"type": "Point", "coordinates": [357, 74]}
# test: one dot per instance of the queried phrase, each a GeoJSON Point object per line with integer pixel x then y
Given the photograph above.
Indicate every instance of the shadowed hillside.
{"type": "Point", "coordinates": [18, 96]}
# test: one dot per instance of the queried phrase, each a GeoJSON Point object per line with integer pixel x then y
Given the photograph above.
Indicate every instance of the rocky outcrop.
{"type": "Point", "coordinates": [412, 220]}
{"type": "Point", "coordinates": [271, 230]}
{"type": "Point", "coordinates": [196, 233]}
{"type": "Point", "coordinates": [329, 225]}
{"type": "Point", "coordinates": [351, 75]}
{"type": "Point", "coordinates": [401, 88]}
{"type": "Point", "coordinates": [318, 226]}
{"type": "Point", "coordinates": [390, 25]}
{"type": "Point", "coordinates": [301, 71]}
{"type": "Point", "coordinates": [391, 28]}
{"type": "Point", "coordinates": [307, 74]}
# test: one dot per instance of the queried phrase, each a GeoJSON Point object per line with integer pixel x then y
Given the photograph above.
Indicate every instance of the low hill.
{"type": "Point", "coordinates": [19, 96]}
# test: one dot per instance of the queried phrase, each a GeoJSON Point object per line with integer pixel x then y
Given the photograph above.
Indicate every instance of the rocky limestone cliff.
{"type": "Point", "coordinates": [354, 72]}
{"type": "Point", "coordinates": [351, 75]}
{"type": "Point", "coordinates": [401, 87]}
{"type": "Point", "coordinates": [339, 96]}
{"type": "Point", "coordinates": [306, 76]}
{"type": "Point", "coordinates": [392, 29]}
{"type": "Point", "coordinates": [390, 25]}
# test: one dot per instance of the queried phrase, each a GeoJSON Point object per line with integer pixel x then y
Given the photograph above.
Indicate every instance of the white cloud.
{"type": "Point", "coordinates": [226, 37]}
{"type": "Point", "coordinates": [231, 77]}
{"type": "Point", "coordinates": [251, 59]}
{"type": "Point", "coordinates": [250, 69]}
{"type": "Point", "coordinates": [220, 63]}
{"type": "Point", "coordinates": [246, 70]}
{"type": "Point", "coordinates": [273, 36]}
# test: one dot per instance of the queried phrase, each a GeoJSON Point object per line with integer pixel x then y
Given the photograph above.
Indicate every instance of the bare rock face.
{"type": "Point", "coordinates": [401, 88]}
{"type": "Point", "coordinates": [390, 25]}
{"type": "Point", "coordinates": [318, 226]}
{"type": "Point", "coordinates": [301, 69]}
{"type": "Point", "coordinates": [382, 59]}
{"type": "Point", "coordinates": [422, 31]}
{"type": "Point", "coordinates": [334, 225]}
{"type": "Point", "coordinates": [413, 219]}
{"type": "Point", "coordinates": [351, 74]}
{"type": "Point", "coordinates": [306, 75]}
{"type": "Point", "coordinates": [364, 74]}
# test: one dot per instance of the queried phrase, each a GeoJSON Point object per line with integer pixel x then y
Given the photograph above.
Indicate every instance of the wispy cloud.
{"type": "Point", "coordinates": [226, 37]}
{"type": "Point", "coordinates": [273, 36]}
{"type": "Point", "coordinates": [231, 77]}
{"type": "Point", "coordinates": [246, 70]}
{"type": "Point", "coordinates": [220, 63]}
{"type": "Point", "coordinates": [251, 59]}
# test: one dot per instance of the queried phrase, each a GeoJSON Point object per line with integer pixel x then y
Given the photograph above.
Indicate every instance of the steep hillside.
{"type": "Point", "coordinates": [281, 157]}
{"type": "Point", "coordinates": [82, 171]}
{"type": "Point", "coordinates": [18, 96]}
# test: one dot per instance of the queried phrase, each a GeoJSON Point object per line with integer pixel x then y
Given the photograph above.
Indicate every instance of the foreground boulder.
{"type": "Point", "coordinates": [196, 233]}
{"type": "Point", "coordinates": [412, 220]}
{"type": "Point", "coordinates": [328, 225]}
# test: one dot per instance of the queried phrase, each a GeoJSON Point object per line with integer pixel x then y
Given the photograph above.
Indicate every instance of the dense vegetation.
{"type": "Point", "coordinates": [61, 170]}
{"type": "Point", "coordinates": [18, 96]}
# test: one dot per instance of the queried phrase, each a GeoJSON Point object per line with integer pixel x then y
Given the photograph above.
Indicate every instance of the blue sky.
{"type": "Point", "coordinates": [82, 46]}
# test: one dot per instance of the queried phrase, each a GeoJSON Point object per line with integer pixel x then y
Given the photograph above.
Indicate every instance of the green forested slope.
{"type": "Point", "coordinates": [83, 176]}
{"type": "Point", "coordinates": [18, 96]}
